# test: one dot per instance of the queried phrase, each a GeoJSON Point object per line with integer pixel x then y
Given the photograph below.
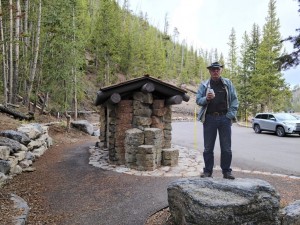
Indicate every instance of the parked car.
{"type": "Point", "coordinates": [297, 116]}
{"type": "Point", "coordinates": [280, 123]}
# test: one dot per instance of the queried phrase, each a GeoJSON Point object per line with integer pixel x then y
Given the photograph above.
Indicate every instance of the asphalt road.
{"type": "Point", "coordinates": [264, 152]}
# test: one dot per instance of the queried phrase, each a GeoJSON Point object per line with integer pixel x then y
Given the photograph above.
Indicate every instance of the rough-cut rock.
{"type": "Point", "coordinates": [16, 170]}
{"type": "Point", "coordinates": [96, 133]}
{"type": "Point", "coordinates": [25, 163]}
{"type": "Point", "coordinates": [5, 166]}
{"type": "Point", "coordinates": [84, 126]}
{"type": "Point", "coordinates": [4, 152]}
{"type": "Point", "coordinates": [145, 157]}
{"type": "Point", "coordinates": [290, 215]}
{"type": "Point", "coordinates": [36, 144]}
{"type": "Point", "coordinates": [170, 157]}
{"type": "Point", "coordinates": [208, 201]}
{"type": "Point", "coordinates": [39, 151]}
{"type": "Point", "coordinates": [3, 179]}
{"type": "Point", "coordinates": [14, 145]}
{"type": "Point", "coordinates": [30, 156]}
{"type": "Point", "coordinates": [16, 135]}
{"type": "Point", "coordinates": [33, 130]}
{"type": "Point", "coordinates": [20, 155]}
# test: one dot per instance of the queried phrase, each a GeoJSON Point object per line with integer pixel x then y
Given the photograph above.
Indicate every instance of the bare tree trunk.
{"type": "Point", "coordinates": [3, 58]}
{"type": "Point", "coordinates": [74, 69]}
{"type": "Point", "coordinates": [36, 55]}
{"type": "Point", "coordinates": [44, 103]}
{"type": "Point", "coordinates": [17, 53]}
{"type": "Point", "coordinates": [26, 44]}
{"type": "Point", "coordinates": [10, 78]}
{"type": "Point", "coordinates": [26, 38]}
{"type": "Point", "coordinates": [182, 57]}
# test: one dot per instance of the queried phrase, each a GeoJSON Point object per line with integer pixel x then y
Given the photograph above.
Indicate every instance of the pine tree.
{"type": "Point", "coordinates": [232, 61]}
{"type": "Point", "coordinates": [287, 61]}
{"type": "Point", "coordinates": [270, 85]}
{"type": "Point", "coordinates": [243, 84]}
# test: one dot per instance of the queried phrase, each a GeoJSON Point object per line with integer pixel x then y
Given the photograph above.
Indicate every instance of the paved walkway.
{"type": "Point", "coordinates": [78, 193]}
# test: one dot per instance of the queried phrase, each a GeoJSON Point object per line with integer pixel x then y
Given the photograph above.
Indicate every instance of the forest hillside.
{"type": "Point", "coordinates": [55, 55]}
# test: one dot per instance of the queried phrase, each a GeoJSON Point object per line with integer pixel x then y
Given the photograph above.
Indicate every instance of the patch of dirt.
{"type": "Point", "coordinates": [162, 217]}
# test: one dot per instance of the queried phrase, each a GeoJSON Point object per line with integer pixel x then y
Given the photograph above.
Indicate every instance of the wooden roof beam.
{"type": "Point", "coordinates": [174, 100]}
{"type": "Point", "coordinates": [148, 87]}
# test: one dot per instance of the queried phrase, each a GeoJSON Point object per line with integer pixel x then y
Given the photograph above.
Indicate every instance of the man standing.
{"type": "Point", "coordinates": [219, 102]}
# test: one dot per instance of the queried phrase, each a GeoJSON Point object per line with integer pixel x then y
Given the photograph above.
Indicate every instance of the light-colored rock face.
{"type": "Point", "coordinates": [33, 131]}
{"type": "Point", "coordinates": [209, 201]}
{"type": "Point", "coordinates": [220, 197]}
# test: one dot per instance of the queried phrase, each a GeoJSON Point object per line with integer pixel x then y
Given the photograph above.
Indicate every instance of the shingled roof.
{"type": "Point", "coordinates": [124, 90]}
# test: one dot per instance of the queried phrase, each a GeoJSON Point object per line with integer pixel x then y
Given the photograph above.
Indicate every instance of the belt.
{"type": "Point", "coordinates": [216, 113]}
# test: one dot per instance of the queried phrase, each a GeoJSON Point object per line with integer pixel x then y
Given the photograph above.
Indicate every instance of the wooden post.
{"type": "Point", "coordinates": [68, 122]}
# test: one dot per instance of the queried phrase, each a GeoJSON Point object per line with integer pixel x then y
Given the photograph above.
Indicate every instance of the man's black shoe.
{"type": "Point", "coordinates": [205, 174]}
{"type": "Point", "coordinates": [228, 175]}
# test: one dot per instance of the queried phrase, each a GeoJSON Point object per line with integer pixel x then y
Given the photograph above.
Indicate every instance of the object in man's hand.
{"type": "Point", "coordinates": [210, 90]}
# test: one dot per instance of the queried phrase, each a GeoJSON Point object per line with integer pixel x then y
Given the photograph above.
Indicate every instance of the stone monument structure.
{"type": "Point", "coordinates": [135, 122]}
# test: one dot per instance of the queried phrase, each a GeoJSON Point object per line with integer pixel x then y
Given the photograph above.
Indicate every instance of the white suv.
{"type": "Point", "coordinates": [280, 123]}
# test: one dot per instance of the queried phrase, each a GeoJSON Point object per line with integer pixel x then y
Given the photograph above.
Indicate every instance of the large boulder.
{"type": "Point", "coordinates": [83, 125]}
{"type": "Point", "coordinates": [16, 135]}
{"type": "Point", "coordinates": [210, 201]}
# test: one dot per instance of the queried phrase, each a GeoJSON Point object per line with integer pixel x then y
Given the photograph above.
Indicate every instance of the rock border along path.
{"type": "Point", "coordinates": [190, 164]}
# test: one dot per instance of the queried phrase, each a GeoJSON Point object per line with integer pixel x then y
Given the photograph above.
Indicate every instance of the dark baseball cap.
{"type": "Point", "coordinates": [215, 65]}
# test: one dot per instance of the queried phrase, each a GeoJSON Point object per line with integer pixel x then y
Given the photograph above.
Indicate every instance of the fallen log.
{"type": "Point", "coordinates": [16, 114]}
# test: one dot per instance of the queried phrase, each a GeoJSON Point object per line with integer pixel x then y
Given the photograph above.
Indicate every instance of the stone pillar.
{"type": "Point", "coordinates": [154, 136]}
{"type": "Point", "coordinates": [141, 110]}
{"type": "Point", "coordinates": [162, 118]}
{"type": "Point", "coordinates": [111, 117]}
{"type": "Point", "coordinates": [133, 139]}
{"type": "Point", "coordinates": [170, 157]}
{"type": "Point", "coordinates": [146, 157]}
{"type": "Point", "coordinates": [124, 113]}
{"type": "Point", "coordinates": [102, 128]}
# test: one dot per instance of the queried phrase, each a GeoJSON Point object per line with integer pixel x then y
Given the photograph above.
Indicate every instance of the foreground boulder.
{"type": "Point", "coordinates": [210, 201]}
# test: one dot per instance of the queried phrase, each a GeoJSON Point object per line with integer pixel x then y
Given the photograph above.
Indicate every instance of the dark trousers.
{"type": "Point", "coordinates": [211, 126]}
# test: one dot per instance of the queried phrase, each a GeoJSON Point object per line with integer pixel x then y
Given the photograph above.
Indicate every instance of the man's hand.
{"type": "Point", "coordinates": [210, 96]}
